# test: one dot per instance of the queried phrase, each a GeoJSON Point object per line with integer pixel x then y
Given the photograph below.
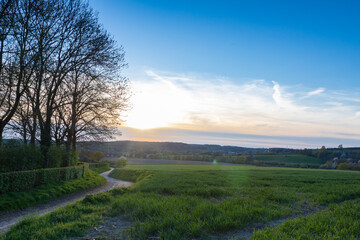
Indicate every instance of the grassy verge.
{"type": "Point", "coordinates": [132, 175]}
{"type": "Point", "coordinates": [47, 192]}
{"type": "Point", "coordinates": [197, 201]}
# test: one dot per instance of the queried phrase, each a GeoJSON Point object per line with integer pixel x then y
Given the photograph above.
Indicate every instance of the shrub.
{"type": "Point", "coordinates": [327, 165]}
{"type": "Point", "coordinates": [343, 166]}
{"type": "Point", "coordinates": [86, 167]}
{"type": "Point", "coordinates": [120, 163]}
{"type": "Point", "coordinates": [15, 156]}
{"type": "Point", "coordinates": [49, 175]}
{"type": "Point", "coordinates": [24, 180]}
{"type": "Point", "coordinates": [59, 157]}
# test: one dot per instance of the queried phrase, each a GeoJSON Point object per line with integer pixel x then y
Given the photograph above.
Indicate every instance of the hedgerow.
{"type": "Point", "coordinates": [24, 180]}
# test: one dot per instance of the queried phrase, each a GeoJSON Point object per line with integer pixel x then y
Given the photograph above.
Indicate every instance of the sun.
{"type": "Point", "coordinates": [156, 105]}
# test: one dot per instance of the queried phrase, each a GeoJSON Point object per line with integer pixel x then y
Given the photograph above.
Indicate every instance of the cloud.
{"type": "Point", "coordinates": [313, 93]}
{"type": "Point", "coordinates": [208, 103]}
{"type": "Point", "coordinates": [281, 101]}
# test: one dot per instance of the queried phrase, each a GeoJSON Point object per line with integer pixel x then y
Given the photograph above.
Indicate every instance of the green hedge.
{"type": "Point", "coordinates": [24, 180]}
{"type": "Point", "coordinates": [86, 167]}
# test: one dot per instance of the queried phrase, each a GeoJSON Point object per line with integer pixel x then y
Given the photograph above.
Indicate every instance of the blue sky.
{"type": "Point", "coordinates": [297, 62]}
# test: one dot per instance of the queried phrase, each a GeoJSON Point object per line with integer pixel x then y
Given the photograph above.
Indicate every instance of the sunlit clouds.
{"type": "Point", "coordinates": [193, 102]}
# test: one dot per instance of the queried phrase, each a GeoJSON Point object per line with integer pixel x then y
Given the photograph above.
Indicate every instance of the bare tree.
{"type": "Point", "coordinates": [61, 80]}
{"type": "Point", "coordinates": [16, 55]}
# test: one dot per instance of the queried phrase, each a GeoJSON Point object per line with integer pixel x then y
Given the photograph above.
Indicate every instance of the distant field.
{"type": "Point", "coordinates": [206, 201]}
{"type": "Point", "coordinates": [166, 161]}
{"type": "Point", "coordinates": [288, 158]}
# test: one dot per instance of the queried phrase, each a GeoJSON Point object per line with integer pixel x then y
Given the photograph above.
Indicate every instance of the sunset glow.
{"type": "Point", "coordinates": [220, 69]}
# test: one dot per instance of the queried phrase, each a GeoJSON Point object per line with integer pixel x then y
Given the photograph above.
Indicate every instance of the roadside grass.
{"type": "Point", "coordinates": [287, 158]}
{"type": "Point", "coordinates": [197, 201]}
{"type": "Point", "coordinates": [131, 175]}
{"type": "Point", "coordinates": [47, 192]}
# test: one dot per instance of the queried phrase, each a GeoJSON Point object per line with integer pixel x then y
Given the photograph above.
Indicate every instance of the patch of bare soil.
{"type": "Point", "coordinates": [112, 228]}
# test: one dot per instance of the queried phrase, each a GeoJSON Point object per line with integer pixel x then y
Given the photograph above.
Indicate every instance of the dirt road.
{"type": "Point", "coordinates": [7, 219]}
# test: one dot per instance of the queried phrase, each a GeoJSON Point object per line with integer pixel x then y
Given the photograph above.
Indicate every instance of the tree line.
{"type": "Point", "coordinates": [60, 74]}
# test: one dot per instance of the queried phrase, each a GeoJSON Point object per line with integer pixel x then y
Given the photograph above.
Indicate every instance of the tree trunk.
{"type": "Point", "coordinates": [1, 133]}
{"type": "Point", "coordinates": [45, 141]}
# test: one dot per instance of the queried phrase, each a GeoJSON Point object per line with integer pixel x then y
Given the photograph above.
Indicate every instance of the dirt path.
{"type": "Point", "coordinates": [7, 219]}
{"type": "Point", "coordinates": [247, 232]}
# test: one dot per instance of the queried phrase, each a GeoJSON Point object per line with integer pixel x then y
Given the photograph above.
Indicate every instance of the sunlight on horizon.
{"type": "Point", "coordinates": [175, 101]}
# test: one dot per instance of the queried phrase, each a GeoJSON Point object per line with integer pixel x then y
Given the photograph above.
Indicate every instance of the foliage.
{"type": "Point", "coordinates": [327, 165]}
{"type": "Point", "coordinates": [199, 201]}
{"type": "Point", "coordinates": [48, 191]}
{"type": "Point", "coordinates": [59, 157]}
{"type": "Point", "coordinates": [120, 163]}
{"type": "Point", "coordinates": [24, 180]}
{"type": "Point", "coordinates": [323, 154]}
{"type": "Point", "coordinates": [88, 156]}
{"type": "Point", "coordinates": [86, 167]}
{"type": "Point", "coordinates": [99, 167]}
{"type": "Point", "coordinates": [343, 166]}
{"type": "Point", "coordinates": [15, 156]}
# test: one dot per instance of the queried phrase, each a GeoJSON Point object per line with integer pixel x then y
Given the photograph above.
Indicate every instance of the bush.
{"type": "Point", "coordinates": [343, 166]}
{"type": "Point", "coordinates": [59, 157]}
{"type": "Point", "coordinates": [49, 175]}
{"type": "Point", "coordinates": [15, 156]}
{"type": "Point", "coordinates": [85, 165]}
{"type": "Point", "coordinates": [24, 180]}
{"type": "Point", "coordinates": [120, 163]}
{"type": "Point", "coordinates": [327, 165]}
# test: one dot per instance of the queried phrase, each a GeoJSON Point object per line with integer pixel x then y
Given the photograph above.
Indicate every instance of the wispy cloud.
{"type": "Point", "coordinates": [216, 104]}
{"type": "Point", "coordinates": [313, 93]}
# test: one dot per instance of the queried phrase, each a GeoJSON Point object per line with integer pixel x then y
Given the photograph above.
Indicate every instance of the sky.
{"type": "Point", "coordinates": [243, 73]}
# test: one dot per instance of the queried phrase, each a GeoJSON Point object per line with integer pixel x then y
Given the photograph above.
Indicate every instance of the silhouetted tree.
{"type": "Point", "coordinates": [59, 74]}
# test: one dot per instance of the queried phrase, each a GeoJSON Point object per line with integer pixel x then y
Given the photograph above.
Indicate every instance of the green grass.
{"type": "Point", "coordinates": [99, 167]}
{"type": "Point", "coordinates": [47, 192]}
{"type": "Point", "coordinates": [131, 175]}
{"type": "Point", "coordinates": [198, 201]}
{"type": "Point", "coordinates": [336, 222]}
{"type": "Point", "coordinates": [287, 158]}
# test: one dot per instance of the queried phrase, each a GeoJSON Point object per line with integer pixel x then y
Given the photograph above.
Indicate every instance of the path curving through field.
{"type": "Point", "coordinates": [7, 219]}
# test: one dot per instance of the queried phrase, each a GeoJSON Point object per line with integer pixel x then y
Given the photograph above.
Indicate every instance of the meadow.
{"type": "Point", "coordinates": [212, 201]}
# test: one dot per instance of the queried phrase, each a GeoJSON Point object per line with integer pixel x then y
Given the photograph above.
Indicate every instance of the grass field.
{"type": "Point", "coordinates": [287, 158]}
{"type": "Point", "coordinates": [47, 192]}
{"type": "Point", "coordinates": [193, 201]}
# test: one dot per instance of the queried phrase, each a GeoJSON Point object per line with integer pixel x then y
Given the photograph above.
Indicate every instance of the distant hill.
{"type": "Point", "coordinates": [118, 147]}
